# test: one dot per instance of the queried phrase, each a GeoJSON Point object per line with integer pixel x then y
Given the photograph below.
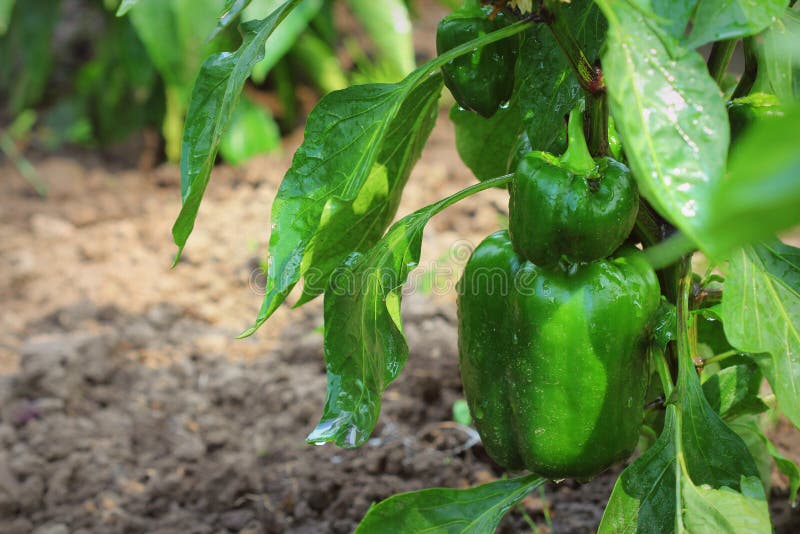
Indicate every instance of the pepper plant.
{"type": "Point", "coordinates": [599, 330]}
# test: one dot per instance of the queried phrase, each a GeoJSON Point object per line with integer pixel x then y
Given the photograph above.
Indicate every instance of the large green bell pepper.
{"type": "Point", "coordinates": [483, 80]}
{"type": "Point", "coordinates": [573, 206]}
{"type": "Point", "coordinates": [554, 362]}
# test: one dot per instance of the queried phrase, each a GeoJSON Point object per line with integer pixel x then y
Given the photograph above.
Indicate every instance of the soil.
{"type": "Point", "coordinates": [126, 405]}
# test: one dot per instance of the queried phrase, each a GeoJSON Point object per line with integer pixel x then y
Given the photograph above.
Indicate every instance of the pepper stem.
{"type": "Point", "coordinates": [577, 158]}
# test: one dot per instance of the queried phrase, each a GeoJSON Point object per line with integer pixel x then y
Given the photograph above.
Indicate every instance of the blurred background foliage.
{"type": "Point", "coordinates": [73, 72]}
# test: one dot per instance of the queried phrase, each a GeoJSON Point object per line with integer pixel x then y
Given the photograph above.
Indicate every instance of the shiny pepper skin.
{"type": "Point", "coordinates": [554, 362]}
{"type": "Point", "coordinates": [573, 206]}
{"type": "Point", "coordinates": [484, 79]}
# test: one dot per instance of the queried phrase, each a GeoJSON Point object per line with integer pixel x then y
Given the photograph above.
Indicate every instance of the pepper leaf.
{"type": "Point", "coordinates": [733, 391]}
{"type": "Point", "coordinates": [761, 309]}
{"type": "Point", "coordinates": [214, 98]}
{"type": "Point", "coordinates": [344, 184]}
{"type": "Point", "coordinates": [450, 511]}
{"type": "Point", "coordinates": [365, 348]}
{"type": "Point", "coordinates": [670, 116]}
{"type": "Point", "coordinates": [715, 20]}
{"type": "Point", "coordinates": [761, 193]}
{"type": "Point", "coordinates": [546, 83]}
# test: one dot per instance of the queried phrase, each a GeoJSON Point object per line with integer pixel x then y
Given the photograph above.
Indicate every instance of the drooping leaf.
{"type": "Point", "coordinates": [761, 308]}
{"type": "Point", "coordinates": [475, 510]}
{"type": "Point", "coordinates": [787, 467]}
{"type": "Point", "coordinates": [547, 87]}
{"type": "Point", "coordinates": [715, 20]}
{"type": "Point", "coordinates": [345, 180]}
{"type": "Point", "coordinates": [252, 131]}
{"type": "Point", "coordinates": [670, 116]}
{"type": "Point", "coordinates": [725, 510]}
{"type": "Point", "coordinates": [215, 96]}
{"type": "Point", "coordinates": [733, 391]}
{"type": "Point", "coordinates": [761, 193]}
{"type": "Point", "coordinates": [125, 6]}
{"type": "Point", "coordinates": [389, 26]}
{"type": "Point", "coordinates": [285, 36]}
{"type": "Point", "coordinates": [365, 348]}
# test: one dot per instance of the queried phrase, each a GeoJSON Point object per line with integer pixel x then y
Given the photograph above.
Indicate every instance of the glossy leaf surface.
{"type": "Point", "coordinates": [365, 348]}
{"type": "Point", "coordinates": [761, 193]}
{"type": "Point", "coordinates": [475, 510]}
{"type": "Point", "coordinates": [344, 184]}
{"type": "Point", "coordinates": [716, 20]}
{"type": "Point", "coordinates": [761, 310]}
{"type": "Point", "coordinates": [214, 98]}
{"type": "Point", "coordinates": [670, 116]}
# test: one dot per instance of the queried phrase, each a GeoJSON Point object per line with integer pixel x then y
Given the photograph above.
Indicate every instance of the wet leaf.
{"type": "Point", "coordinates": [475, 510]}
{"type": "Point", "coordinates": [365, 347]}
{"type": "Point", "coordinates": [670, 116]}
{"type": "Point", "coordinates": [761, 308]}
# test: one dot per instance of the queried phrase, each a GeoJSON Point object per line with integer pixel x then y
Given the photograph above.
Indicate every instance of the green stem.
{"type": "Point", "coordinates": [577, 157]}
{"type": "Point", "coordinates": [686, 324]}
{"type": "Point", "coordinates": [668, 251]}
{"type": "Point", "coordinates": [22, 164]}
{"type": "Point", "coordinates": [720, 357]}
{"type": "Point", "coordinates": [590, 78]}
{"type": "Point", "coordinates": [664, 373]}
{"type": "Point", "coordinates": [750, 69]}
{"type": "Point", "coordinates": [720, 58]}
{"type": "Point", "coordinates": [597, 124]}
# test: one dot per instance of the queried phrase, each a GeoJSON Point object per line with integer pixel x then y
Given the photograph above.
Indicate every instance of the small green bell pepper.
{"type": "Point", "coordinates": [554, 362]}
{"type": "Point", "coordinates": [573, 206]}
{"type": "Point", "coordinates": [483, 80]}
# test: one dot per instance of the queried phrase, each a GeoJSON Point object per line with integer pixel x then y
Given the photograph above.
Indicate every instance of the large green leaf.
{"type": "Point", "coordinates": [215, 96]}
{"type": "Point", "coordinates": [715, 20]}
{"type": "Point", "coordinates": [344, 183]}
{"type": "Point", "coordinates": [365, 348]}
{"type": "Point", "coordinates": [448, 511]}
{"type": "Point", "coordinates": [760, 195]}
{"type": "Point", "coordinates": [547, 88]}
{"type": "Point", "coordinates": [284, 36]}
{"type": "Point", "coordinates": [733, 391]}
{"type": "Point", "coordinates": [761, 310]}
{"type": "Point", "coordinates": [670, 116]}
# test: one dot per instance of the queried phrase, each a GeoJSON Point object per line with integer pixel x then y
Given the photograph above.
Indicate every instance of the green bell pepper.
{"type": "Point", "coordinates": [483, 80]}
{"type": "Point", "coordinates": [554, 362]}
{"type": "Point", "coordinates": [573, 206]}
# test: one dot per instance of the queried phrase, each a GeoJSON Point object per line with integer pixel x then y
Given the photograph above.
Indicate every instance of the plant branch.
{"type": "Point", "coordinates": [597, 125]}
{"type": "Point", "coordinates": [590, 77]}
{"type": "Point", "coordinates": [750, 69]}
{"type": "Point", "coordinates": [720, 58]}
